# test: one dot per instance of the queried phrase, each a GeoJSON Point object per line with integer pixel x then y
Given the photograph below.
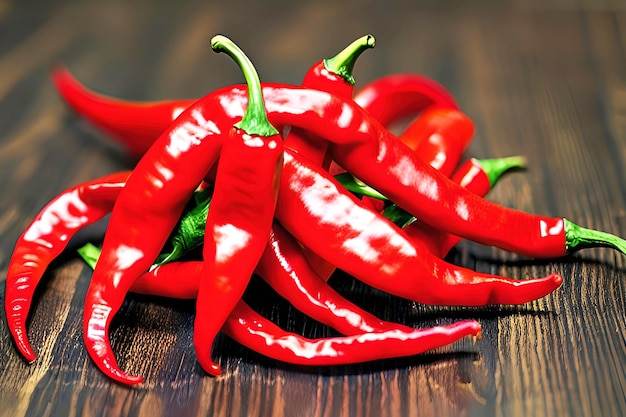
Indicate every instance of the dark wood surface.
{"type": "Point", "coordinates": [545, 79]}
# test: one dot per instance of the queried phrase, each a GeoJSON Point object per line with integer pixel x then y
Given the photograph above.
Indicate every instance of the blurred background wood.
{"type": "Point", "coordinates": [545, 79]}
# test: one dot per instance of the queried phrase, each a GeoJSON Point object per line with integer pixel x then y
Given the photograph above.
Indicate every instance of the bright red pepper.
{"type": "Point", "coordinates": [238, 224]}
{"type": "Point", "coordinates": [439, 136]}
{"type": "Point", "coordinates": [372, 154]}
{"type": "Point", "coordinates": [477, 176]}
{"type": "Point", "coordinates": [281, 263]}
{"type": "Point", "coordinates": [45, 238]}
{"type": "Point", "coordinates": [334, 76]}
{"type": "Point", "coordinates": [137, 124]}
{"type": "Point", "coordinates": [285, 268]}
{"type": "Point", "coordinates": [261, 335]}
{"type": "Point", "coordinates": [242, 211]}
{"type": "Point", "coordinates": [394, 97]}
{"type": "Point", "coordinates": [395, 172]}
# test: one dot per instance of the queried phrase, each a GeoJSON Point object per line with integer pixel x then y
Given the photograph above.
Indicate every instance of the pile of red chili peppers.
{"type": "Point", "coordinates": [219, 194]}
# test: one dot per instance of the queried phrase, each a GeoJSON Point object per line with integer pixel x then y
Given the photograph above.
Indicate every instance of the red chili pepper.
{"type": "Point", "coordinates": [137, 124]}
{"type": "Point", "coordinates": [285, 268]}
{"type": "Point", "coordinates": [262, 335]}
{"type": "Point", "coordinates": [369, 247]}
{"type": "Point", "coordinates": [182, 279]}
{"type": "Point", "coordinates": [376, 157]}
{"type": "Point", "coordinates": [394, 170]}
{"type": "Point", "coordinates": [439, 136]}
{"type": "Point", "coordinates": [56, 224]}
{"type": "Point", "coordinates": [256, 332]}
{"type": "Point", "coordinates": [242, 211]}
{"type": "Point", "coordinates": [237, 227]}
{"type": "Point", "coordinates": [394, 97]}
{"type": "Point", "coordinates": [477, 176]}
{"type": "Point", "coordinates": [333, 76]}
{"type": "Point", "coordinates": [45, 238]}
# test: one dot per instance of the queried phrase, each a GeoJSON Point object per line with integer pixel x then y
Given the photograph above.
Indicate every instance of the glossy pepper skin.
{"type": "Point", "coordinates": [293, 206]}
{"type": "Point", "coordinates": [292, 278]}
{"type": "Point", "coordinates": [333, 76]}
{"type": "Point", "coordinates": [319, 113]}
{"type": "Point", "coordinates": [394, 97]}
{"type": "Point", "coordinates": [254, 331]}
{"type": "Point", "coordinates": [242, 211]}
{"type": "Point", "coordinates": [477, 176]}
{"type": "Point", "coordinates": [181, 280]}
{"type": "Point", "coordinates": [395, 172]}
{"type": "Point", "coordinates": [439, 136]}
{"type": "Point", "coordinates": [237, 226]}
{"type": "Point", "coordinates": [285, 268]}
{"type": "Point", "coordinates": [45, 238]}
{"type": "Point", "coordinates": [282, 265]}
{"type": "Point", "coordinates": [135, 125]}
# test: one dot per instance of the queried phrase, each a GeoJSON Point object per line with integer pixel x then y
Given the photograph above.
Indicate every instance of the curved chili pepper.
{"type": "Point", "coordinates": [376, 157]}
{"type": "Point", "coordinates": [242, 210]}
{"type": "Point", "coordinates": [136, 125]}
{"type": "Point", "coordinates": [394, 97]}
{"type": "Point", "coordinates": [394, 171]}
{"type": "Point", "coordinates": [281, 264]}
{"type": "Point", "coordinates": [181, 280]}
{"type": "Point", "coordinates": [45, 238]}
{"type": "Point", "coordinates": [476, 175]}
{"type": "Point", "coordinates": [333, 76]}
{"type": "Point", "coordinates": [263, 335]}
{"type": "Point", "coordinates": [238, 224]}
{"type": "Point", "coordinates": [254, 331]}
{"type": "Point", "coordinates": [439, 136]}
{"type": "Point", "coordinates": [284, 267]}
{"type": "Point", "coordinates": [121, 119]}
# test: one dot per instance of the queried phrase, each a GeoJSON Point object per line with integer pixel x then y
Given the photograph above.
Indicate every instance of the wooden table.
{"type": "Point", "coordinates": [545, 79]}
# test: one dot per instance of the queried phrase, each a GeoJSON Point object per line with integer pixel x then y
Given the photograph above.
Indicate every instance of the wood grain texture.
{"type": "Point", "coordinates": [545, 79]}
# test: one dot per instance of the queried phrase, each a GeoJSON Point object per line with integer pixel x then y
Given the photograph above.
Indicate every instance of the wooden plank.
{"type": "Point", "coordinates": [543, 79]}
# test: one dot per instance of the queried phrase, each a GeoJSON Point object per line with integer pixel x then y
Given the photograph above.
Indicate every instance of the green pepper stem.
{"type": "Point", "coordinates": [577, 237]}
{"type": "Point", "coordinates": [176, 253]}
{"type": "Point", "coordinates": [90, 254]}
{"type": "Point", "coordinates": [342, 64]}
{"type": "Point", "coordinates": [355, 186]}
{"type": "Point", "coordinates": [254, 121]}
{"type": "Point", "coordinates": [495, 168]}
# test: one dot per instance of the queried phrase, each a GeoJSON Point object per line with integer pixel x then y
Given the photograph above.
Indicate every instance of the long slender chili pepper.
{"type": "Point", "coordinates": [369, 152]}
{"type": "Point", "coordinates": [439, 136]}
{"type": "Point", "coordinates": [261, 335]}
{"type": "Point", "coordinates": [477, 176]}
{"type": "Point", "coordinates": [237, 226]}
{"type": "Point", "coordinates": [242, 210]}
{"type": "Point", "coordinates": [281, 264]}
{"type": "Point", "coordinates": [391, 98]}
{"type": "Point", "coordinates": [137, 124]}
{"type": "Point", "coordinates": [181, 280]}
{"type": "Point", "coordinates": [45, 238]}
{"type": "Point", "coordinates": [398, 173]}
{"type": "Point", "coordinates": [284, 267]}
{"type": "Point", "coordinates": [254, 331]}
{"type": "Point", "coordinates": [333, 76]}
